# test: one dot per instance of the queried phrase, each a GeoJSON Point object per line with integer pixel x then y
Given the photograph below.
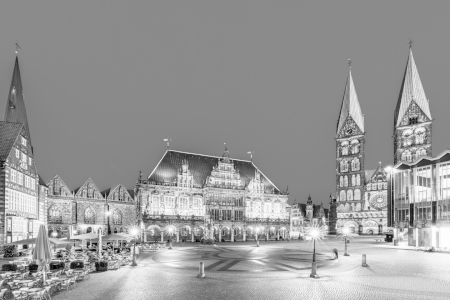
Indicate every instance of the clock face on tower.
{"type": "Point", "coordinates": [349, 131]}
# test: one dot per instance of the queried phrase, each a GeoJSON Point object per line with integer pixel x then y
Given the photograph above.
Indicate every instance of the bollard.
{"type": "Point", "coordinates": [313, 271]}
{"type": "Point", "coordinates": [257, 243]}
{"type": "Point", "coordinates": [364, 264]}
{"type": "Point", "coordinates": [201, 272]}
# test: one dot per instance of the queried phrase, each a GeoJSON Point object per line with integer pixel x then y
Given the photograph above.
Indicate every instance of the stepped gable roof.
{"type": "Point", "coordinates": [410, 90]}
{"type": "Point", "coordinates": [15, 106]}
{"type": "Point", "coordinates": [201, 166]}
{"type": "Point", "coordinates": [350, 106]}
{"type": "Point", "coordinates": [8, 136]}
{"type": "Point", "coordinates": [316, 210]}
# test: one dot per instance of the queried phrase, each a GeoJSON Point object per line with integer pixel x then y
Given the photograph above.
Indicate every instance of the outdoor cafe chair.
{"type": "Point", "coordinates": [20, 295]}
{"type": "Point", "coordinates": [66, 284]}
{"type": "Point", "coordinates": [40, 295]}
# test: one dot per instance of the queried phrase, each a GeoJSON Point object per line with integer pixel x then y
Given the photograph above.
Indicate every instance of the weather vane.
{"type": "Point", "coordinates": [168, 142]}
{"type": "Point", "coordinates": [17, 47]}
{"type": "Point", "coordinates": [349, 63]}
{"type": "Point", "coordinates": [251, 154]}
{"type": "Point", "coordinates": [410, 43]}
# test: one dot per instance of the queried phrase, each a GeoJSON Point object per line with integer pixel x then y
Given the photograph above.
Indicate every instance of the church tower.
{"type": "Point", "coordinates": [309, 209]}
{"type": "Point", "coordinates": [412, 120]}
{"type": "Point", "coordinates": [350, 138]}
{"type": "Point", "coordinates": [15, 106]}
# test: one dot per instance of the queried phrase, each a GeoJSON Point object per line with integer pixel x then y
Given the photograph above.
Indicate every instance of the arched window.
{"type": "Point", "coordinates": [345, 181]}
{"type": "Point", "coordinates": [342, 196]}
{"type": "Point", "coordinates": [344, 166]}
{"type": "Point", "coordinates": [344, 148]}
{"type": "Point", "coordinates": [54, 214]}
{"type": "Point", "coordinates": [357, 194]}
{"type": "Point", "coordinates": [407, 137]}
{"type": "Point", "coordinates": [421, 152]}
{"type": "Point", "coordinates": [358, 179]}
{"type": "Point", "coordinates": [115, 230]}
{"type": "Point", "coordinates": [353, 180]}
{"type": "Point", "coordinates": [349, 195]}
{"type": "Point", "coordinates": [420, 135]}
{"type": "Point", "coordinates": [355, 147]}
{"type": "Point", "coordinates": [341, 181]}
{"type": "Point", "coordinates": [117, 217]}
{"type": "Point", "coordinates": [83, 193]}
{"type": "Point", "coordinates": [406, 156]}
{"type": "Point", "coordinates": [89, 216]}
{"type": "Point", "coordinates": [355, 164]}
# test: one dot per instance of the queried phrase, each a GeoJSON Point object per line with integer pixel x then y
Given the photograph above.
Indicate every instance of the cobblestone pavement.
{"type": "Point", "coordinates": [275, 270]}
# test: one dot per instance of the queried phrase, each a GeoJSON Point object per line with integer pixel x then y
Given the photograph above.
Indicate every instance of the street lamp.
{"type": "Point", "coordinates": [134, 231]}
{"type": "Point", "coordinates": [390, 170]}
{"type": "Point", "coordinates": [107, 214]}
{"type": "Point", "coordinates": [316, 233]}
{"type": "Point", "coordinates": [346, 233]}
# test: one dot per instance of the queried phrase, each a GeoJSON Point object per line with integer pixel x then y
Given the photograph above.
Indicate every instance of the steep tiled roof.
{"type": "Point", "coordinates": [15, 106]}
{"type": "Point", "coordinates": [131, 192]}
{"type": "Point", "coordinates": [350, 106]}
{"type": "Point", "coordinates": [368, 175]}
{"type": "Point", "coordinates": [411, 89]}
{"type": "Point", "coordinates": [41, 181]}
{"type": "Point", "coordinates": [8, 135]}
{"type": "Point", "coordinates": [201, 166]}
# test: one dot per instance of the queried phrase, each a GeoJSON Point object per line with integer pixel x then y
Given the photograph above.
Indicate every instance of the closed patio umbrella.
{"type": "Point", "coordinates": [42, 253]}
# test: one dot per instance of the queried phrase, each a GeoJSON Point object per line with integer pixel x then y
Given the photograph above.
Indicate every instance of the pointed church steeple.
{"type": "Point", "coordinates": [350, 106]}
{"type": "Point", "coordinates": [412, 119]}
{"type": "Point", "coordinates": [15, 106]}
{"type": "Point", "coordinates": [411, 91]}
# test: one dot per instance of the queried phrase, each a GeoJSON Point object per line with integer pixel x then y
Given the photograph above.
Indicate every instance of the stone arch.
{"type": "Point", "coordinates": [115, 230]}
{"type": "Point", "coordinates": [354, 226]}
{"type": "Point", "coordinates": [184, 231]}
{"type": "Point", "coordinates": [198, 231]}
{"type": "Point", "coordinates": [238, 231]}
{"type": "Point", "coordinates": [283, 232]}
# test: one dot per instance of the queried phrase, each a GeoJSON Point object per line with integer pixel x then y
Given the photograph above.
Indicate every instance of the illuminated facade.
{"type": "Point", "coordinates": [22, 198]}
{"type": "Point", "coordinates": [188, 193]}
{"type": "Point", "coordinates": [87, 209]}
{"type": "Point", "coordinates": [421, 200]}
{"type": "Point", "coordinates": [304, 215]}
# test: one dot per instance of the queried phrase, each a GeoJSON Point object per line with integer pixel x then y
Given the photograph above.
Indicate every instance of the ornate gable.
{"type": "Point", "coordinates": [88, 190]}
{"type": "Point", "coordinates": [57, 187]}
{"type": "Point", "coordinates": [119, 193]}
{"type": "Point", "coordinates": [413, 115]}
{"type": "Point", "coordinates": [350, 128]}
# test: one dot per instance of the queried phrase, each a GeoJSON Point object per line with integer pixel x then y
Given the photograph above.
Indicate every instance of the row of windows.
{"type": "Point", "coordinates": [418, 137]}
{"type": "Point", "coordinates": [377, 186]}
{"type": "Point", "coordinates": [226, 214]}
{"type": "Point", "coordinates": [408, 156]}
{"type": "Point", "coordinates": [352, 147]}
{"type": "Point", "coordinates": [171, 202]}
{"type": "Point", "coordinates": [25, 158]}
{"type": "Point", "coordinates": [355, 165]}
{"type": "Point", "coordinates": [18, 178]}
{"type": "Point", "coordinates": [355, 180]}
{"type": "Point", "coordinates": [21, 202]}
{"type": "Point", "coordinates": [350, 195]}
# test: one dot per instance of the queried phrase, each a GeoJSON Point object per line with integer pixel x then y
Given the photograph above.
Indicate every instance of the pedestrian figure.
{"type": "Point", "coordinates": [335, 251]}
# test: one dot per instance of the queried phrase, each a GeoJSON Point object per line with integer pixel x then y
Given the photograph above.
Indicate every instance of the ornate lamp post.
{"type": "Point", "coordinates": [346, 233]}
{"type": "Point", "coordinates": [316, 233]}
{"type": "Point", "coordinates": [134, 232]}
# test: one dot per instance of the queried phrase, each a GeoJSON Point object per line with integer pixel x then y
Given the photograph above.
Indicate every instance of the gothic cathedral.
{"type": "Point", "coordinates": [362, 194]}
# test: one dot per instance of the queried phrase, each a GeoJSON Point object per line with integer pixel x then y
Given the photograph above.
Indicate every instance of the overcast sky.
{"type": "Point", "coordinates": [106, 81]}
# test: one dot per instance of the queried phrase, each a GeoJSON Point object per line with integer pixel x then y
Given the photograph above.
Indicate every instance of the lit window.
{"type": "Point", "coordinates": [24, 157]}
{"type": "Point", "coordinates": [13, 175]}
{"type": "Point", "coordinates": [30, 160]}
{"type": "Point", "coordinates": [24, 141]}
{"type": "Point", "coordinates": [20, 178]}
{"type": "Point", "coordinates": [17, 153]}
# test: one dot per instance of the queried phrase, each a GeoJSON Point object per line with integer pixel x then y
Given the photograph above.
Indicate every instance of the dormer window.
{"type": "Point", "coordinates": [24, 141]}
{"type": "Point", "coordinates": [413, 120]}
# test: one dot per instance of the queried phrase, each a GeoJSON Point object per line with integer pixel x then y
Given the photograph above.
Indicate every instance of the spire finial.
{"type": "Point", "coordinates": [225, 144]}
{"type": "Point", "coordinates": [17, 47]}
{"type": "Point", "coordinates": [349, 63]}
{"type": "Point", "coordinates": [168, 142]}
{"type": "Point", "coordinates": [379, 163]}
{"type": "Point", "coordinates": [251, 154]}
{"type": "Point", "coordinates": [410, 43]}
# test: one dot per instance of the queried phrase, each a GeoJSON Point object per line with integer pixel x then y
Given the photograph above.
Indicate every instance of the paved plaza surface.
{"type": "Point", "coordinates": [275, 270]}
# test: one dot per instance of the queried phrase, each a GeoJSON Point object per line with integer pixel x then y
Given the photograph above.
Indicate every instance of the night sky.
{"type": "Point", "coordinates": [106, 82]}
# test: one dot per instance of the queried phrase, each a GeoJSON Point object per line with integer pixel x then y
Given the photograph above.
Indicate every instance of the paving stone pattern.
{"type": "Point", "coordinates": [275, 270]}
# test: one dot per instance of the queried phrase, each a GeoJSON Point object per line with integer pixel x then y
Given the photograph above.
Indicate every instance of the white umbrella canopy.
{"type": "Point", "coordinates": [116, 237]}
{"type": "Point", "coordinates": [42, 253]}
{"type": "Point", "coordinates": [33, 241]}
{"type": "Point", "coordinates": [86, 236]}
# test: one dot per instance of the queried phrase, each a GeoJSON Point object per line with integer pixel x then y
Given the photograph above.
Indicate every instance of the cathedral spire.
{"type": "Point", "coordinates": [350, 105]}
{"type": "Point", "coordinates": [15, 106]}
{"type": "Point", "coordinates": [411, 90]}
